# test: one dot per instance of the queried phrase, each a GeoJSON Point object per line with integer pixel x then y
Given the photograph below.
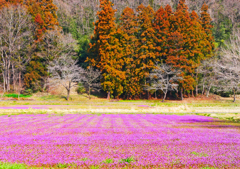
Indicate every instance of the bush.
{"type": "Point", "coordinates": [80, 89]}
{"type": "Point", "coordinates": [14, 95]}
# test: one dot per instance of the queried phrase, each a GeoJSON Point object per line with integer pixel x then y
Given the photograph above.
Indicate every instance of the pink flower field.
{"type": "Point", "coordinates": [118, 141]}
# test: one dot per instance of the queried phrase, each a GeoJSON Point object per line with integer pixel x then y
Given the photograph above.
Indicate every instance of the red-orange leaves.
{"type": "Point", "coordinates": [106, 51]}
{"type": "Point", "coordinates": [205, 21]}
{"type": "Point", "coordinates": [44, 14]}
{"type": "Point", "coordinates": [181, 42]}
{"type": "Point", "coordinates": [145, 35]}
{"type": "Point", "coordinates": [161, 25]}
{"type": "Point", "coordinates": [127, 55]}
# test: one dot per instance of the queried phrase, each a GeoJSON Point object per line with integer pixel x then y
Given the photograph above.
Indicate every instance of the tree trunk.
{"type": "Point", "coordinates": [68, 93]}
{"type": "Point", "coordinates": [8, 77]}
{"type": "Point", "coordinates": [19, 83]}
{"type": "Point", "coordinates": [3, 72]}
{"type": "Point", "coordinates": [108, 95]}
{"type": "Point", "coordinates": [192, 93]}
{"type": "Point", "coordinates": [4, 82]}
{"type": "Point", "coordinates": [234, 94]}
{"type": "Point", "coordinates": [182, 93]}
{"type": "Point", "coordinates": [196, 84]}
{"type": "Point", "coordinates": [89, 90]}
{"type": "Point", "coordinates": [203, 90]}
{"type": "Point", "coordinates": [164, 97]}
{"type": "Point", "coordinates": [196, 90]}
{"type": "Point", "coordinates": [155, 94]}
{"type": "Point", "coordinates": [14, 79]}
{"type": "Point", "coordinates": [208, 91]}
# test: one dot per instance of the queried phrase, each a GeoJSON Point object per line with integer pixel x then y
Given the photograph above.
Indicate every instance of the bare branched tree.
{"type": "Point", "coordinates": [229, 65]}
{"type": "Point", "coordinates": [54, 44]}
{"type": "Point", "coordinates": [164, 78]}
{"type": "Point", "coordinates": [209, 71]}
{"type": "Point", "coordinates": [16, 31]}
{"type": "Point", "coordinates": [92, 79]}
{"type": "Point", "coordinates": [65, 72]}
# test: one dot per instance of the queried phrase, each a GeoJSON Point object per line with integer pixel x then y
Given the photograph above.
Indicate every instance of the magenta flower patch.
{"type": "Point", "coordinates": [115, 141]}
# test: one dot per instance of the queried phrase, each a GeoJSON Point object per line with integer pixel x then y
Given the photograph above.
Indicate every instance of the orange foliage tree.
{"type": "Point", "coordinates": [128, 24]}
{"type": "Point", "coordinates": [45, 18]}
{"type": "Point", "coordinates": [161, 25]}
{"type": "Point", "coordinates": [145, 34]}
{"type": "Point", "coordinates": [200, 46]}
{"type": "Point", "coordinates": [44, 15]}
{"type": "Point", "coordinates": [179, 40]}
{"type": "Point", "coordinates": [205, 21]}
{"type": "Point", "coordinates": [188, 45]}
{"type": "Point", "coordinates": [145, 56]}
{"type": "Point", "coordinates": [106, 51]}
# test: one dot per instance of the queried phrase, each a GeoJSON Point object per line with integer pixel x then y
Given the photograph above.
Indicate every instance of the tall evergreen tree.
{"type": "Point", "coordinates": [128, 24]}
{"type": "Point", "coordinates": [145, 56]}
{"type": "Point", "coordinates": [146, 36]}
{"type": "Point", "coordinates": [105, 49]}
{"type": "Point", "coordinates": [205, 20]}
{"type": "Point", "coordinates": [161, 26]}
{"type": "Point", "coordinates": [179, 42]}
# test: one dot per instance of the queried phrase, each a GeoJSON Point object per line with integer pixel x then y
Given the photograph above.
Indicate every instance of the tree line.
{"type": "Point", "coordinates": [126, 53]}
{"type": "Point", "coordinates": [147, 47]}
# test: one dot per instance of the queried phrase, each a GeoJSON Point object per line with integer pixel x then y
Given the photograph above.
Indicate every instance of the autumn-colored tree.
{"type": "Point", "coordinates": [128, 24]}
{"type": "Point", "coordinates": [4, 3]}
{"type": "Point", "coordinates": [42, 11]}
{"type": "Point", "coordinates": [199, 45]}
{"type": "Point", "coordinates": [179, 44]}
{"type": "Point", "coordinates": [178, 35]}
{"type": "Point", "coordinates": [105, 49]}
{"type": "Point", "coordinates": [145, 54]}
{"type": "Point", "coordinates": [198, 41]}
{"type": "Point", "coordinates": [44, 14]}
{"type": "Point", "coordinates": [205, 20]}
{"type": "Point", "coordinates": [45, 18]}
{"type": "Point", "coordinates": [161, 26]}
{"type": "Point", "coordinates": [145, 35]}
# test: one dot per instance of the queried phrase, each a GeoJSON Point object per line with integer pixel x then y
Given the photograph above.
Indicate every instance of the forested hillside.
{"type": "Point", "coordinates": [77, 16]}
{"type": "Point", "coordinates": [141, 47]}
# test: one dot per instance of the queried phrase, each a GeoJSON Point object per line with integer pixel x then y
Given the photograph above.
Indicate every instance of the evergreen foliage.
{"type": "Point", "coordinates": [126, 44]}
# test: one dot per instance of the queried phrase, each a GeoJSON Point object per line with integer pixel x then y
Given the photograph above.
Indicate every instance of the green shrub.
{"type": "Point", "coordinates": [14, 95]}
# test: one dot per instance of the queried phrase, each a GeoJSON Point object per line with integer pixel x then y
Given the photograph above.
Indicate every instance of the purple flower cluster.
{"type": "Point", "coordinates": [115, 141]}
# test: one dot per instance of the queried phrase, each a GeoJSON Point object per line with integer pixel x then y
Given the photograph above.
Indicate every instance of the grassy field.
{"type": "Point", "coordinates": [53, 104]}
